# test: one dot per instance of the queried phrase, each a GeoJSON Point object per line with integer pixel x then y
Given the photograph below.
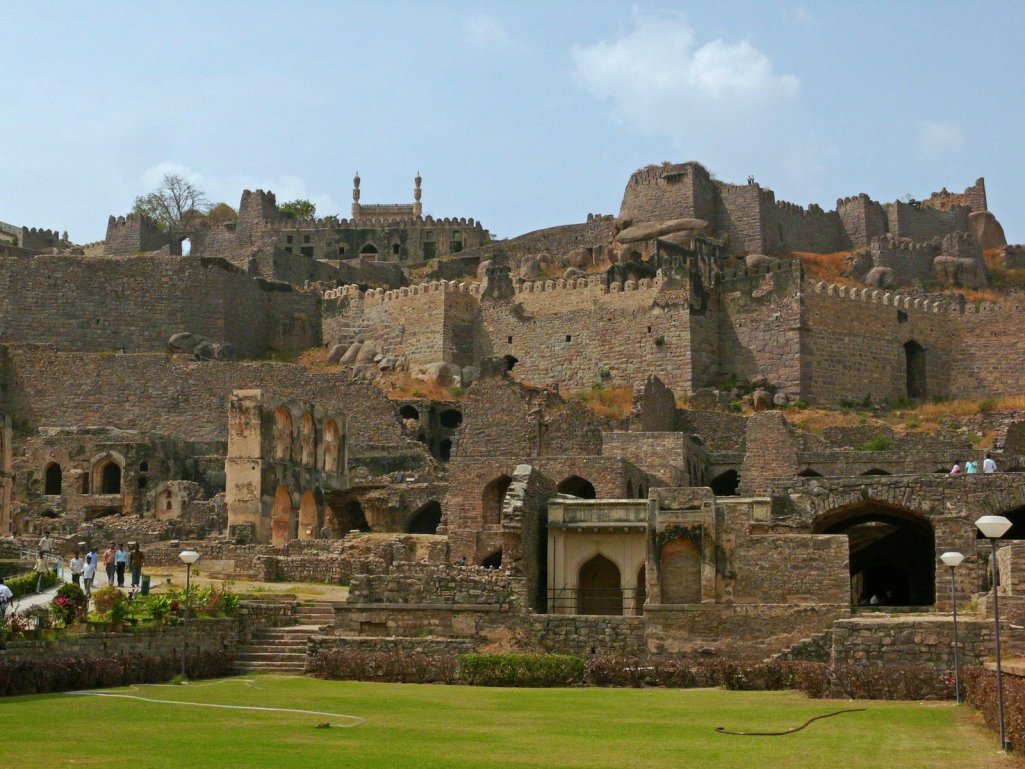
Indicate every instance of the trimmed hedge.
{"type": "Point", "coordinates": [981, 693]}
{"type": "Point", "coordinates": [385, 666]}
{"type": "Point", "coordinates": [26, 583]}
{"type": "Point", "coordinates": [526, 670]}
{"type": "Point", "coordinates": [41, 675]}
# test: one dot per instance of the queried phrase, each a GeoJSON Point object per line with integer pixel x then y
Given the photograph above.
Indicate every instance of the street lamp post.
{"type": "Point", "coordinates": [188, 557]}
{"type": "Point", "coordinates": [993, 527]}
{"type": "Point", "coordinates": [953, 560]}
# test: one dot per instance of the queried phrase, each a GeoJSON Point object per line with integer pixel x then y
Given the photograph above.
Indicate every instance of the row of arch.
{"type": "Point", "coordinates": [284, 449]}
{"type": "Point", "coordinates": [104, 477]}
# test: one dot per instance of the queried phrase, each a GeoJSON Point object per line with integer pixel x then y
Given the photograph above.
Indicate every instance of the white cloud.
{"type": "Point", "coordinates": [484, 32]}
{"type": "Point", "coordinates": [657, 77]}
{"type": "Point", "coordinates": [939, 137]}
{"type": "Point", "coordinates": [229, 188]}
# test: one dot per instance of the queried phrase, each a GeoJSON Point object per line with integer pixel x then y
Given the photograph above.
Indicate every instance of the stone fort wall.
{"type": "Point", "coordinates": [137, 303]}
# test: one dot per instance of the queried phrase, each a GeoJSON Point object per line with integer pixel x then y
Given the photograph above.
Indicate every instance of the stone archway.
{"type": "Point", "coordinates": [426, 519]}
{"type": "Point", "coordinates": [493, 498]}
{"type": "Point", "coordinates": [892, 552]}
{"type": "Point", "coordinates": [599, 587]}
{"type": "Point", "coordinates": [725, 484]}
{"type": "Point", "coordinates": [281, 517]}
{"type": "Point", "coordinates": [309, 517]}
{"type": "Point", "coordinates": [578, 487]}
{"type": "Point", "coordinates": [52, 479]}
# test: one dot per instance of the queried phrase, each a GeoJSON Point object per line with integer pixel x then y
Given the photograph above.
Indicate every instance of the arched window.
{"type": "Point", "coordinates": [915, 366]}
{"type": "Point", "coordinates": [369, 250]}
{"type": "Point", "coordinates": [281, 517]}
{"type": "Point", "coordinates": [106, 476]}
{"type": "Point", "coordinates": [576, 486]}
{"type": "Point", "coordinates": [600, 588]}
{"type": "Point", "coordinates": [331, 443]}
{"type": "Point", "coordinates": [309, 519]}
{"type": "Point", "coordinates": [308, 440]}
{"type": "Point", "coordinates": [282, 434]}
{"type": "Point", "coordinates": [408, 411]}
{"type": "Point", "coordinates": [726, 484]}
{"type": "Point", "coordinates": [425, 520]}
{"type": "Point", "coordinates": [450, 419]}
{"type": "Point", "coordinates": [493, 498]}
{"type": "Point", "coordinates": [52, 480]}
{"type": "Point", "coordinates": [164, 504]}
{"type": "Point", "coordinates": [493, 561]}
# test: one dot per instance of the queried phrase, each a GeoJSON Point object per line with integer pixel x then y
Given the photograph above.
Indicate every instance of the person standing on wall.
{"type": "Point", "coordinates": [988, 465]}
{"type": "Point", "coordinates": [120, 562]}
{"type": "Point", "coordinates": [108, 563]}
{"type": "Point", "coordinates": [77, 567]}
{"type": "Point", "coordinates": [135, 562]}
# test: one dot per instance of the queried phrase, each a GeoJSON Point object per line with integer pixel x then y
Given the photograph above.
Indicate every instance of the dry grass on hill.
{"type": "Point", "coordinates": [613, 402]}
{"type": "Point", "coordinates": [402, 386]}
{"type": "Point", "coordinates": [827, 267]}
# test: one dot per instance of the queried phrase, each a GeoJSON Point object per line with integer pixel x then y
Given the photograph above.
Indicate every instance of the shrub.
{"type": "Point", "coordinates": [39, 675]}
{"type": "Point", "coordinates": [660, 340]}
{"type": "Point", "coordinates": [526, 670]}
{"type": "Point", "coordinates": [987, 405]}
{"type": "Point", "coordinates": [878, 442]}
{"type": "Point", "coordinates": [604, 373]}
{"type": "Point", "coordinates": [981, 693]}
{"type": "Point", "coordinates": [737, 407]}
{"type": "Point", "coordinates": [106, 598]}
{"type": "Point", "coordinates": [388, 666]}
{"type": "Point", "coordinates": [69, 604]}
{"type": "Point", "coordinates": [26, 583]}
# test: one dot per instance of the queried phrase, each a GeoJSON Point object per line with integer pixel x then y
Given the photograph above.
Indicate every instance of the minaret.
{"type": "Point", "coordinates": [355, 196]}
{"type": "Point", "coordinates": [417, 205]}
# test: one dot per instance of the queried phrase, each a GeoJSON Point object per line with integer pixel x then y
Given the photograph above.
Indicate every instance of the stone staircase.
{"type": "Point", "coordinates": [283, 649]}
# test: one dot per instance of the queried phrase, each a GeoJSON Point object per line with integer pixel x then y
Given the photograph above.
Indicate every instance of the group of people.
{"type": "Point", "coordinates": [971, 467]}
{"type": "Point", "coordinates": [116, 560]}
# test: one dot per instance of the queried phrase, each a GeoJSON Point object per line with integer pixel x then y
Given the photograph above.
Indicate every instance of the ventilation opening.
{"type": "Point", "coordinates": [726, 484]}
{"type": "Point", "coordinates": [450, 419]}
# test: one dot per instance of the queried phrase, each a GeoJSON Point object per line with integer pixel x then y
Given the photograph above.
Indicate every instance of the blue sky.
{"type": "Point", "coordinates": [520, 114]}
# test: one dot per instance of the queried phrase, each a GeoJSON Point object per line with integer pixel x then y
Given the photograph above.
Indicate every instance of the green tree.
{"type": "Point", "coordinates": [169, 203]}
{"type": "Point", "coordinates": [299, 208]}
{"type": "Point", "coordinates": [220, 213]}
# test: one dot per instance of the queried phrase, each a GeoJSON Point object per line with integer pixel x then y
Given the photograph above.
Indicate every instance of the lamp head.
{"type": "Point", "coordinates": [993, 526]}
{"type": "Point", "coordinates": [189, 556]}
{"type": "Point", "coordinates": [952, 558]}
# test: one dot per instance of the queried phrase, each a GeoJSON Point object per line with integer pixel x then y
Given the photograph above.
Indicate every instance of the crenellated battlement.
{"type": "Point", "coordinates": [902, 301]}
{"type": "Point", "coordinates": [365, 222]}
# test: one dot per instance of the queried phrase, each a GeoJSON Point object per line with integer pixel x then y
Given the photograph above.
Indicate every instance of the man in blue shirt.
{"type": "Point", "coordinates": [120, 562]}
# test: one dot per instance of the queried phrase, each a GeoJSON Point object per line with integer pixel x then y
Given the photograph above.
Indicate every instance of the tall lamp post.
{"type": "Point", "coordinates": [993, 527]}
{"type": "Point", "coordinates": [953, 560]}
{"type": "Point", "coordinates": [188, 557]}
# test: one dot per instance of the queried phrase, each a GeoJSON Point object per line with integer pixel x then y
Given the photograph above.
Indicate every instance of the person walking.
{"type": "Point", "coordinates": [89, 574]}
{"type": "Point", "coordinates": [44, 542]}
{"type": "Point", "coordinates": [120, 562]}
{"type": "Point", "coordinates": [135, 562]}
{"type": "Point", "coordinates": [108, 563]}
{"type": "Point", "coordinates": [956, 469]}
{"type": "Point", "coordinates": [6, 596]}
{"type": "Point", "coordinates": [41, 568]}
{"type": "Point", "coordinates": [77, 567]}
{"type": "Point", "coordinates": [988, 464]}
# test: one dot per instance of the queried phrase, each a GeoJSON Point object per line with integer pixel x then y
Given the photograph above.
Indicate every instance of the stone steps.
{"type": "Point", "coordinates": [283, 649]}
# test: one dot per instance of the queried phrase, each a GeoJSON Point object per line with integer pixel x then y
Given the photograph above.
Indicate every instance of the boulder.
{"type": "Point", "coordinates": [350, 355]}
{"type": "Point", "coordinates": [441, 374]}
{"type": "Point", "coordinates": [335, 354]}
{"type": "Point", "coordinates": [574, 272]}
{"type": "Point", "coordinates": [754, 261]}
{"type": "Point", "coordinates": [184, 342]}
{"type": "Point", "coordinates": [651, 230]}
{"type": "Point", "coordinates": [780, 400]}
{"type": "Point", "coordinates": [579, 257]}
{"type": "Point", "coordinates": [367, 353]}
{"type": "Point", "coordinates": [987, 230]}
{"type": "Point", "coordinates": [761, 400]}
{"type": "Point", "coordinates": [880, 277]}
{"type": "Point", "coordinates": [967, 273]}
{"type": "Point", "coordinates": [530, 268]}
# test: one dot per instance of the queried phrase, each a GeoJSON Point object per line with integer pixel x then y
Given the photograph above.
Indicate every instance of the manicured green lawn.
{"type": "Point", "coordinates": [475, 728]}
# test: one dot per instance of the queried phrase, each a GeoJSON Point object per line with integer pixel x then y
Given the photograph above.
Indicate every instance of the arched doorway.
{"type": "Point", "coordinates": [106, 476]}
{"type": "Point", "coordinates": [308, 440]}
{"type": "Point", "coordinates": [914, 361]}
{"type": "Point", "coordinates": [576, 486]}
{"type": "Point", "coordinates": [599, 587]}
{"type": "Point", "coordinates": [408, 412]}
{"type": "Point", "coordinates": [892, 553]}
{"type": "Point", "coordinates": [725, 484]}
{"type": "Point", "coordinates": [680, 571]}
{"type": "Point", "coordinates": [493, 561]}
{"type": "Point", "coordinates": [331, 443]}
{"type": "Point", "coordinates": [425, 520]}
{"type": "Point", "coordinates": [493, 498]}
{"type": "Point", "coordinates": [53, 476]}
{"type": "Point", "coordinates": [281, 517]}
{"type": "Point", "coordinates": [369, 251]}
{"type": "Point", "coordinates": [309, 524]}
{"type": "Point", "coordinates": [349, 516]}
{"type": "Point", "coordinates": [282, 434]}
